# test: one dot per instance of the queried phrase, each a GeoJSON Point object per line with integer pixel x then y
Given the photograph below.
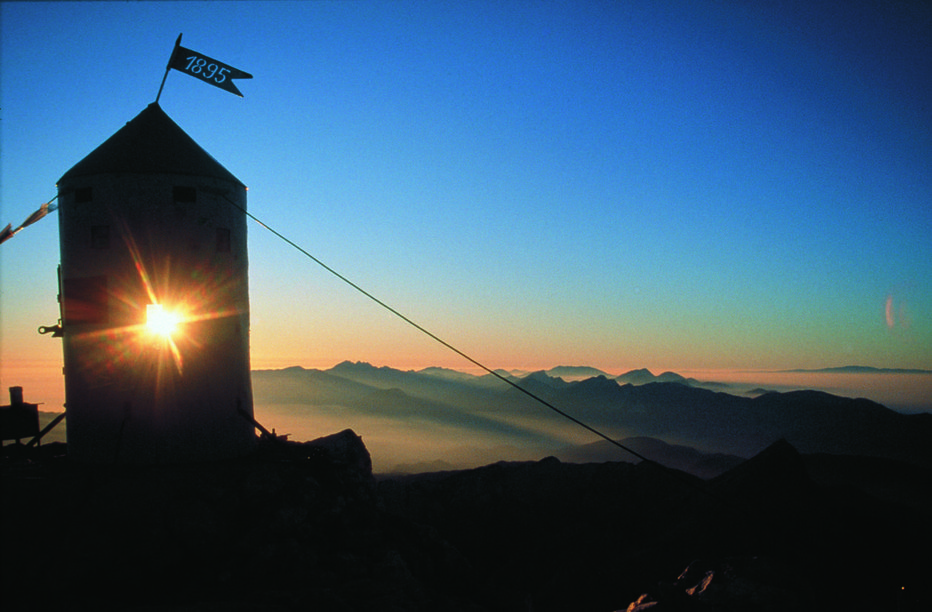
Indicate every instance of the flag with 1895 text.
{"type": "Point", "coordinates": [206, 68]}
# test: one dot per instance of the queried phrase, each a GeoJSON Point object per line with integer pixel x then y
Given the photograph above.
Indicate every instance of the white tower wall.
{"type": "Point", "coordinates": [175, 236]}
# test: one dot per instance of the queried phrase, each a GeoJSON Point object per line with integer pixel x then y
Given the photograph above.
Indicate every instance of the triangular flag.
{"type": "Point", "coordinates": [206, 69]}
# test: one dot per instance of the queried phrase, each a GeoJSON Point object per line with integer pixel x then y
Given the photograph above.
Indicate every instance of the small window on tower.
{"type": "Point", "coordinates": [223, 240]}
{"type": "Point", "coordinates": [184, 194]}
{"type": "Point", "coordinates": [100, 236]}
{"type": "Point", "coordinates": [84, 194]}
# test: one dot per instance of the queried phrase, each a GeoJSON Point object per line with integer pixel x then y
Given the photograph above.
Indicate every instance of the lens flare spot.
{"type": "Point", "coordinates": [161, 322]}
{"type": "Point", "coordinates": [888, 311]}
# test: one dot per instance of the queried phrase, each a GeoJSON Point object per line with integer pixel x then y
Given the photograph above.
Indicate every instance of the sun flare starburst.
{"type": "Point", "coordinates": [161, 322]}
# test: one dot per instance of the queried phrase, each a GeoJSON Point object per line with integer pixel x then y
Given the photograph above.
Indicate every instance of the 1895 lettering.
{"type": "Point", "coordinates": [208, 71]}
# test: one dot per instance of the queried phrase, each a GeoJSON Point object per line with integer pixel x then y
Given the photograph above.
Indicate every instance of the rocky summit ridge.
{"type": "Point", "coordinates": [306, 526]}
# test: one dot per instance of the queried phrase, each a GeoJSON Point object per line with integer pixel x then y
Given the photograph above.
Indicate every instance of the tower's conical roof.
{"type": "Point", "coordinates": [151, 143]}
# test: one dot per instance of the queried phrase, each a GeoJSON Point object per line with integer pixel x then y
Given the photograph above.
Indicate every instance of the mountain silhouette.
{"type": "Point", "coordinates": [575, 372]}
{"type": "Point", "coordinates": [644, 376]}
{"type": "Point", "coordinates": [708, 421]}
{"type": "Point", "coordinates": [856, 369]}
{"type": "Point", "coordinates": [637, 377]}
{"type": "Point", "coordinates": [298, 526]}
{"type": "Point", "coordinates": [387, 393]}
{"type": "Point", "coordinates": [766, 535]}
{"type": "Point", "coordinates": [684, 458]}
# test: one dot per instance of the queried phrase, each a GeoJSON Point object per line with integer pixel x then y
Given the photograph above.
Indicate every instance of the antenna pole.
{"type": "Point", "coordinates": [167, 68]}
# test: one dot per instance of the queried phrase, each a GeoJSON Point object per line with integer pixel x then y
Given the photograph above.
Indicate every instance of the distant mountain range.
{"type": "Point", "coordinates": [634, 377]}
{"type": "Point", "coordinates": [644, 376]}
{"type": "Point", "coordinates": [855, 369]}
{"type": "Point", "coordinates": [570, 372]}
{"type": "Point", "coordinates": [668, 409]}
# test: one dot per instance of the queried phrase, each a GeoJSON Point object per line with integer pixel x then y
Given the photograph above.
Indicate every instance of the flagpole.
{"type": "Point", "coordinates": [167, 68]}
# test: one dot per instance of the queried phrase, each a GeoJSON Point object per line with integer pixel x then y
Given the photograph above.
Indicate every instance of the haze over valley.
{"type": "Point", "coordinates": [438, 418]}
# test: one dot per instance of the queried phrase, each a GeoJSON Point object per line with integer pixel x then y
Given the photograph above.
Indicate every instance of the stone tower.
{"type": "Point", "coordinates": [155, 300]}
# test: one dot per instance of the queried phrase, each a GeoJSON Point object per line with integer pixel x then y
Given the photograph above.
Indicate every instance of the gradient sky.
{"type": "Point", "coordinates": [672, 185]}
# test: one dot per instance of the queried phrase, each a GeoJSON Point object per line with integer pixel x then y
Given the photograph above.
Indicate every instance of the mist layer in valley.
{"type": "Point", "coordinates": [438, 419]}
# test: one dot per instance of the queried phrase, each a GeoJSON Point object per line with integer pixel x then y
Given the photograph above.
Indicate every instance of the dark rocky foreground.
{"type": "Point", "coordinates": [306, 526]}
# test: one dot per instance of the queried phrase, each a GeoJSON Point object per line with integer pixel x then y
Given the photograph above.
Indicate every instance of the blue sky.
{"type": "Point", "coordinates": [645, 184]}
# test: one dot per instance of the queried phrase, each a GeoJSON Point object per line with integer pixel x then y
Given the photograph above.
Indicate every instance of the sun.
{"type": "Point", "coordinates": [161, 322]}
